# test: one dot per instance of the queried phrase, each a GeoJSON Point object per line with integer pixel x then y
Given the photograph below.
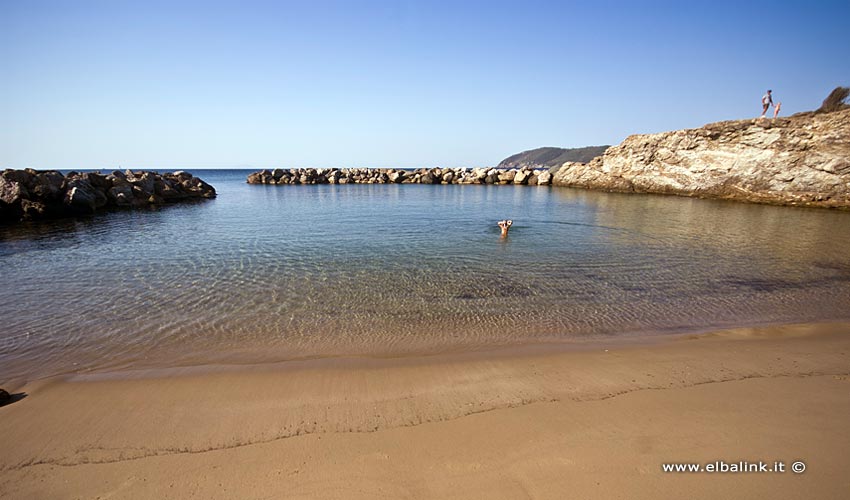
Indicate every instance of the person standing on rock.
{"type": "Point", "coordinates": [766, 102]}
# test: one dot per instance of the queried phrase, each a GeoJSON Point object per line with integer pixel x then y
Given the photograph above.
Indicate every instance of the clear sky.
{"type": "Point", "coordinates": [148, 84]}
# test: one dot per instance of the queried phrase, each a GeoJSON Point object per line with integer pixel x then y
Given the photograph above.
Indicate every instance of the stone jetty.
{"type": "Point", "coordinates": [31, 194]}
{"type": "Point", "coordinates": [522, 176]}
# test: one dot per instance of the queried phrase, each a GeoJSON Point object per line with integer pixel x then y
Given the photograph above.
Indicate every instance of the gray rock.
{"type": "Point", "coordinates": [80, 196]}
{"type": "Point", "coordinates": [121, 195]}
{"type": "Point", "coordinates": [145, 182]}
{"type": "Point", "coordinates": [48, 185]}
{"type": "Point", "coordinates": [24, 177]}
{"type": "Point", "coordinates": [100, 182]}
{"type": "Point", "coordinates": [183, 176]}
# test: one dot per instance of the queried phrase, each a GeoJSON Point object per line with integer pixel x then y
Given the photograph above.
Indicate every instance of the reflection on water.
{"type": "Point", "coordinates": [270, 273]}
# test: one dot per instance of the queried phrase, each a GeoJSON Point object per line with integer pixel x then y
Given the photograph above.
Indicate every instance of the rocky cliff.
{"type": "Point", "coordinates": [30, 194]}
{"type": "Point", "coordinates": [800, 160]}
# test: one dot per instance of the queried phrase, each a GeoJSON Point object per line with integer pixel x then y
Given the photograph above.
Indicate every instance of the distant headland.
{"type": "Point", "coordinates": [548, 157]}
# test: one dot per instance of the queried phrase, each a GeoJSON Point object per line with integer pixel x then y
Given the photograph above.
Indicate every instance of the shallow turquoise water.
{"type": "Point", "coordinates": [278, 272]}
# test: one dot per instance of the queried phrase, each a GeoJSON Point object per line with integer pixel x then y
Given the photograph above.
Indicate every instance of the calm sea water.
{"type": "Point", "coordinates": [268, 273]}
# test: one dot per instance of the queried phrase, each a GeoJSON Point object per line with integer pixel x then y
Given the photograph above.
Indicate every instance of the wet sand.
{"type": "Point", "coordinates": [551, 421]}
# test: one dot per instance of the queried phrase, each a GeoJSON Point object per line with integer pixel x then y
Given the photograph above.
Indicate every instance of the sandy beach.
{"type": "Point", "coordinates": [548, 421]}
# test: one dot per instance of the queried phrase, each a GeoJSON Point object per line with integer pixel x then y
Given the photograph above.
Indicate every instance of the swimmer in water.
{"type": "Point", "coordinates": [504, 225]}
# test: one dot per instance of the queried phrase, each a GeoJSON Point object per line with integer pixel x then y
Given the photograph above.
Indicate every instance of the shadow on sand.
{"type": "Point", "coordinates": [12, 398]}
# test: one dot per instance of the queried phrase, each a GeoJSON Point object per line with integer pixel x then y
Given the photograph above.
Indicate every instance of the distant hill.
{"type": "Point", "coordinates": [551, 157]}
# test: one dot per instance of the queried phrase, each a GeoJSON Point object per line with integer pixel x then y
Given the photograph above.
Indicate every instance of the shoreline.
{"type": "Point", "coordinates": [180, 434]}
{"type": "Point", "coordinates": [253, 360]}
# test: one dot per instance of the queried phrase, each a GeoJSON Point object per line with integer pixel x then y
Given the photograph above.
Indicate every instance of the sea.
{"type": "Point", "coordinates": [275, 273]}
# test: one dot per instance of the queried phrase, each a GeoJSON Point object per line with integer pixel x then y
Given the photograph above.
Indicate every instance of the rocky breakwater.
{"type": "Point", "coordinates": [800, 160]}
{"type": "Point", "coordinates": [30, 194]}
{"type": "Point", "coordinates": [522, 176]}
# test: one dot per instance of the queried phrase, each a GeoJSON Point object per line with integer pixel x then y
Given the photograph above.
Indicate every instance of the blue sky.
{"type": "Point", "coordinates": [390, 84]}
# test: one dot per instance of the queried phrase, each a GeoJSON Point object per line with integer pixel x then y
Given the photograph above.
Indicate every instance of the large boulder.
{"type": "Point", "coordinates": [81, 196]}
{"type": "Point", "coordinates": [507, 176]}
{"type": "Point", "coordinates": [48, 185]}
{"type": "Point", "coordinates": [99, 181]}
{"type": "Point", "coordinates": [166, 190]}
{"type": "Point", "coordinates": [121, 195]}
{"type": "Point", "coordinates": [24, 177]}
{"type": "Point", "coordinates": [11, 192]}
{"type": "Point", "coordinates": [521, 177]}
{"type": "Point", "coordinates": [397, 176]}
{"type": "Point", "coordinates": [145, 182]}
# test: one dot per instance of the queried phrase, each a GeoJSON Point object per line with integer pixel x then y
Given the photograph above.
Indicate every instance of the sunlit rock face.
{"type": "Point", "coordinates": [800, 160]}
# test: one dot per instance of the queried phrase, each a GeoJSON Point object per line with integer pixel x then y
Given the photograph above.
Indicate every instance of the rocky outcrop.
{"type": "Point", "coordinates": [30, 194]}
{"type": "Point", "coordinates": [800, 160]}
{"type": "Point", "coordinates": [524, 176]}
{"type": "Point", "coordinates": [551, 157]}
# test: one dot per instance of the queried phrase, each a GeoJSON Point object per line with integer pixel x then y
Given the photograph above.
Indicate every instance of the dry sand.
{"type": "Point", "coordinates": [587, 421]}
